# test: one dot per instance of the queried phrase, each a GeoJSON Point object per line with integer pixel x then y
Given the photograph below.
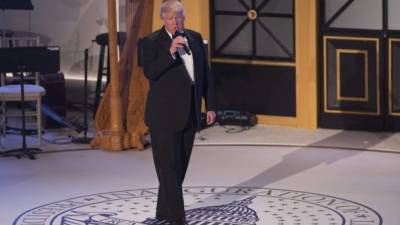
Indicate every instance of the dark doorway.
{"type": "Point", "coordinates": [359, 77]}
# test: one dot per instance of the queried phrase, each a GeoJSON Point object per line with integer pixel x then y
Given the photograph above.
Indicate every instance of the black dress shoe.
{"type": "Point", "coordinates": [183, 222]}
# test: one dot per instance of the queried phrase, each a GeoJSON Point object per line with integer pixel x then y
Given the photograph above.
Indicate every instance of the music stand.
{"type": "Point", "coordinates": [85, 139]}
{"type": "Point", "coordinates": [27, 59]}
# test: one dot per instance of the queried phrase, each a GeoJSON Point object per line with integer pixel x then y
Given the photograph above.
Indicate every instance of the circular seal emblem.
{"type": "Point", "coordinates": [205, 206]}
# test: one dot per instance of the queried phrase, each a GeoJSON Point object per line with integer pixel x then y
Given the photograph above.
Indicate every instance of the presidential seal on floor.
{"type": "Point", "coordinates": [206, 206]}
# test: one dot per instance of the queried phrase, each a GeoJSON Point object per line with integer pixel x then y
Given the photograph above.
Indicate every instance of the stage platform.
{"type": "Point", "coordinates": [265, 175]}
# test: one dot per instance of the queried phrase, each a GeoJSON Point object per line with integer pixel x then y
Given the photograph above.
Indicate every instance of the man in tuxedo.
{"type": "Point", "coordinates": [175, 64]}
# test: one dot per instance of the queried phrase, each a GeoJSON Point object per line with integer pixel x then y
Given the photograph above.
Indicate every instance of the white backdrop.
{"type": "Point", "coordinates": [69, 24]}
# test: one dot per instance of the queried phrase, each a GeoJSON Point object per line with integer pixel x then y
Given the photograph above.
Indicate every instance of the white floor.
{"type": "Point", "coordinates": [306, 184]}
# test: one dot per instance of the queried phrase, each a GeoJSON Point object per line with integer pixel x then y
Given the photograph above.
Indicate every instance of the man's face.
{"type": "Point", "coordinates": [173, 21]}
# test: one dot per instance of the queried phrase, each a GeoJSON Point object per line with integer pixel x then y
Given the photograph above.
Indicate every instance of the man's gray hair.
{"type": "Point", "coordinates": [171, 6]}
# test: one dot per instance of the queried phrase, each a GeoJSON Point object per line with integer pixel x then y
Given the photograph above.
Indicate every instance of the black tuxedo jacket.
{"type": "Point", "coordinates": [169, 98]}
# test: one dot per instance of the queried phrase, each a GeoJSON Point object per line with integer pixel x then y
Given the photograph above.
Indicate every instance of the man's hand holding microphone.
{"type": "Point", "coordinates": [179, 41]}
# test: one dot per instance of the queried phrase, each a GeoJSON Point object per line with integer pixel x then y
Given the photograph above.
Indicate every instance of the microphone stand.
{"type": "Point", "coordinates": [24, 150]}
{"type": "Point", "coordinates": [84, 139]}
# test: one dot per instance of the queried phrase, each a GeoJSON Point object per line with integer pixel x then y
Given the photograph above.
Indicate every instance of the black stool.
{"type": "Point", "coordinates": [102, 40]}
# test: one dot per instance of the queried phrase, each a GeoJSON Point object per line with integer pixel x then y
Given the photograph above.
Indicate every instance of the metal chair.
{"type": "Point", "coordinates": [10, 90]}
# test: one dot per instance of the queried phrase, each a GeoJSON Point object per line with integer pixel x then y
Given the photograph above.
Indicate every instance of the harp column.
{"type": "Point", "coordinates": [117, 134]}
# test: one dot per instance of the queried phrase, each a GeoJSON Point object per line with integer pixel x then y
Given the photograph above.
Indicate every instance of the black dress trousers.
{"type": "Point", "coordinates": [171, 154]}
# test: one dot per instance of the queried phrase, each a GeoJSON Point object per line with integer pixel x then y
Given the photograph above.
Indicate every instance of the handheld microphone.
{"type": "Point", "coordinates": [182, 34]}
